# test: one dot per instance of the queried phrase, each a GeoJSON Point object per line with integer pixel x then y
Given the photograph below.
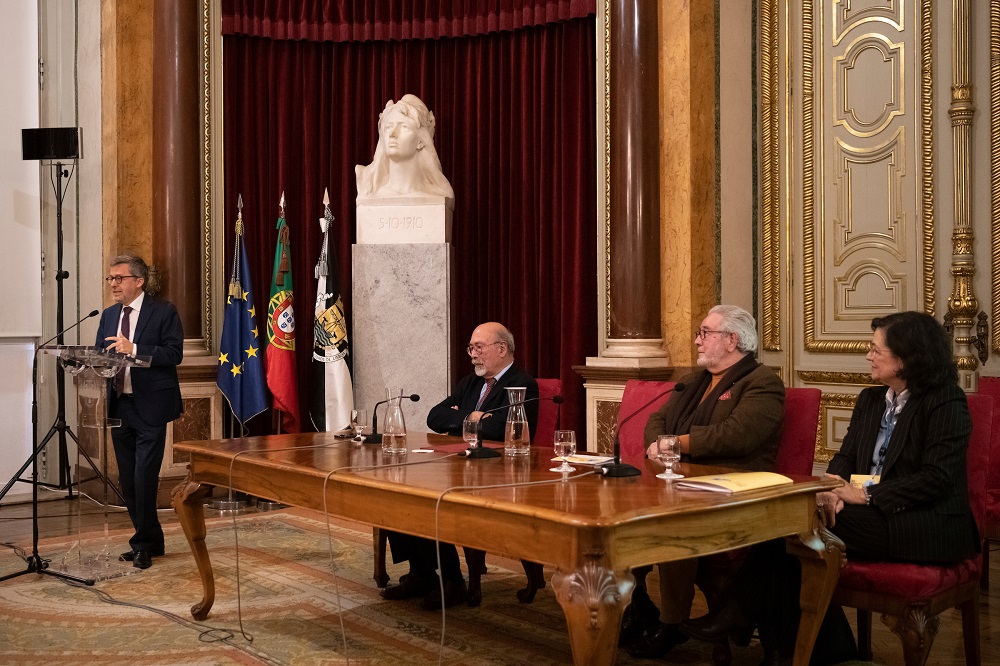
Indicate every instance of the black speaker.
{"type": "Point", "coordinates": [51, 143]}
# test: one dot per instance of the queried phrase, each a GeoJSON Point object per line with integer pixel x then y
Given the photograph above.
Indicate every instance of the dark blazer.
{"type": "Point", "coordinates": [442, 418]}
{"type": "Point", "coordinates": [924, 490]}
{"type": "Point", "coordinates": [158, 333]}
{"type": "Point", "coordinates": [745, 427]}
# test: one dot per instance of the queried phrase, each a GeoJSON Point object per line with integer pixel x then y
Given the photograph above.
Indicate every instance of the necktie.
{"type": "Point", "coordinates": [489, 385]}
{"type": "Point", "coordinates": [126, 331]}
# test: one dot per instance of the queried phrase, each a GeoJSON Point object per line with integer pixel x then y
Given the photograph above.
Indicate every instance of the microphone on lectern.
{"type": "Point", "coordinates": [618, 468]}
{"type": "Point", "coordinates": [376, 437]}
{"type": "Point", "coordinates": [478, 451]}
{"type": "Point", "coordinates": [93, 313]}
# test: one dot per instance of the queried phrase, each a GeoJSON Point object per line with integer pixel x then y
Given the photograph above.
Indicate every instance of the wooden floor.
{"type": "Point", "coordinates": [60, 517]}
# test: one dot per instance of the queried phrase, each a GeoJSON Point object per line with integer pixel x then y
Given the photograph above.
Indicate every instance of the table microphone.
{"type": "Point", "coordinates": [618, 468]}
{"type": "Point", "coordinates": [478, 451]}
{"type": "Point", "coordinates": [376, 437]}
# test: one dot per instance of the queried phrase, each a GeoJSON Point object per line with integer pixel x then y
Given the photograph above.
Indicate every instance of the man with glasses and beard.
{"type": "Point", "coordinates": [492, 350]}
{"type": "Point", "coordinates": [730, 414]}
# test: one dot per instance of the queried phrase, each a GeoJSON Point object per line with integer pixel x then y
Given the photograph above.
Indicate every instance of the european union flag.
{"type": "Point", "coordinates": [241, 375]}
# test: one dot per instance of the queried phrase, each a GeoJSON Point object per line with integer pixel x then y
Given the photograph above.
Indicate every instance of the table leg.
{"type": "Point", "coordinates": [188, 502]}
{"type": "Point", "coordinates": [821, 555]}
{"type": "Point", "coordinates": [593, 599]}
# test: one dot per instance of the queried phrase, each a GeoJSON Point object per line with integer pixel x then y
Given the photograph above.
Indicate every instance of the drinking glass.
{"type": "Point", "coordinates": [668, 450]}
{"type": "Point", "coordinates": [564, 443]}
{"type": "Point", "coordinates": [359, 419]}
{"type": "Point", "coordinates": [470, 431]}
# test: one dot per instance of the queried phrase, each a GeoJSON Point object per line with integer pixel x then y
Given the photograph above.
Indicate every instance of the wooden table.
{"type": "Point", "coordinates": [591, 529]}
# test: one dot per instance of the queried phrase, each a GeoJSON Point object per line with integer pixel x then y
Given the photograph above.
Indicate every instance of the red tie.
{"type": "Point", "coordinates": [126, 329]}
{"type": "Point", "coordinates": [489, 385]}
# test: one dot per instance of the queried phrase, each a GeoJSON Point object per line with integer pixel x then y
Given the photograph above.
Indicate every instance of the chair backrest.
{"type": "Point", "coordinates": [797, 449]}
{"type": "Point", "coordinates": [637, 393]}
{"type": "Point", "coordinates": [991, 386]}
{"type": "Point", "coordinates": [548, 411]}
{"type": "Point", "coordinates": [981, 409]}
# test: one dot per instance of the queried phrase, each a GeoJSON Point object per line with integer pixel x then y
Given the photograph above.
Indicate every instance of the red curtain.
{"type": "Point", "coordinates": [516, 135]}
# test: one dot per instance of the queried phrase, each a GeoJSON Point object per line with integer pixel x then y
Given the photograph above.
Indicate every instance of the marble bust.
{"type": "Point", "coordinates": [405, 166]}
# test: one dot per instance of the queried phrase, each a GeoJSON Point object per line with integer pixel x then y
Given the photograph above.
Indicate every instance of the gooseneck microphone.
{"type": "Point", "coordinates": [618, 468]}
{"type": "Point", "coordinates": [93, 313]}
{"type": "Point", "coordinates": [478, 451]}
{"type": "Point", "coordinates": [376, 436]}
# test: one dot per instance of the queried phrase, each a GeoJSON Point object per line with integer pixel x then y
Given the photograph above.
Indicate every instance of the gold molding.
{"type": "Point", "coordinates": [808, 184]}
{"type": "Point", "coordinates": [607, 169]}
{"type": "Point", "coordinates": [827, 402]}
{"type": "Point", "coordinates": [206, 185]}
{"type": "Point", "coordinates": [927, 153]}
{"type": "Point", "coordinates": [829, 377]}
{"type": "Point", "coordinates": [770, 177]}
{"type": "Point", "coordinates": [995, 166]}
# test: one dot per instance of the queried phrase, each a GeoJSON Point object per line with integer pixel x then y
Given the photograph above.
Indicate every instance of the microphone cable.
{"type": "Point", "coordinates": [563, 478]}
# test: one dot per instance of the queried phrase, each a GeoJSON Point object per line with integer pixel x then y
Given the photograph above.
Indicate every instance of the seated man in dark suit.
{"type": "Point", "coordinates": [492, 350]}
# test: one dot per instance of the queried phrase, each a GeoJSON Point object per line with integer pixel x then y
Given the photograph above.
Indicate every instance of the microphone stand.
{"type": "Point", "coordinates": [617, 469]}
{"type": "Point", "coordinates": [58, 427]}
{"type": "Point", "coordinates": [35, 562]}
{"type": "Point", "coordinates": [376, 437]}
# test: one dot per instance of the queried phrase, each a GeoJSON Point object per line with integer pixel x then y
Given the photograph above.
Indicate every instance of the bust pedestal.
{"type": "Point", "coordinates": [402, 330]}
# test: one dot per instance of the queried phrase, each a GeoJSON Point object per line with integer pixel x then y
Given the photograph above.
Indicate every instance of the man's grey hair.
{"type": "Point", "coordinates": [737, 320]}
{"type": "Point", "coordinates": [136, 266]}
{"type": "Point", "coordinates": [505, 336]}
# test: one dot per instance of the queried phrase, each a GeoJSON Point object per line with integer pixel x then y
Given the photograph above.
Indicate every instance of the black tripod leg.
{"type": "Point", "coordinates": [17, 475]}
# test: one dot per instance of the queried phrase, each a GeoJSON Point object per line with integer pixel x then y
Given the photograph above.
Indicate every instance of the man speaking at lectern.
{"type": "Point", "coordinates": [145, 399]}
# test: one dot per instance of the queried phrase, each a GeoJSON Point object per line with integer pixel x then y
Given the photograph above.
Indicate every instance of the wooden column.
{"type": "Point", "coordinates": [176, 183]}
{"type": "Point", "coordinates": [635, 182]}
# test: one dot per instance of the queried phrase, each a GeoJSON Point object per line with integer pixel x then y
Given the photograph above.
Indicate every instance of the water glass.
{"type": "Point", "coordinates": [668, 450]}
{"type": "Point", "coordinates": [359, 419]}
{"type": "Point", "coordinates": [470, 431]}
{"type": "Point", "coordinates": [564, 443]}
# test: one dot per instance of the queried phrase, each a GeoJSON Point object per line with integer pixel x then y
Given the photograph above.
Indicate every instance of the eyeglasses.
{"type": "Point", "coordinates": [479, 347]}
{"type": "Point", "coordinates": [117, 279]}
{"type": "Point", "coordinates": [872, 349]}
{"type": "Point", "coordinates": [703, 333]}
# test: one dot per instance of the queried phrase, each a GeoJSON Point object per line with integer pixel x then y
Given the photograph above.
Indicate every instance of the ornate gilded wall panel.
{"type": "Point", "coordinates": [864, 106]}
{"type": "Point", "coordinates": [834, 417]}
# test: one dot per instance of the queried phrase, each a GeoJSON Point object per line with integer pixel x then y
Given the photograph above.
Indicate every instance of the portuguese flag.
{"type": "Point", "coordinates": [281, 375]}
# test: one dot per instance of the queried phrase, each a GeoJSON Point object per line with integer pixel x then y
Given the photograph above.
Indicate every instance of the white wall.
{"type": "Point", "coordinates": [20, 251]}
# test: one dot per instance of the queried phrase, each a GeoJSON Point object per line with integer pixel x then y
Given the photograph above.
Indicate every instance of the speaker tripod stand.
{"type": "Point", "coordinates": [59, 426]}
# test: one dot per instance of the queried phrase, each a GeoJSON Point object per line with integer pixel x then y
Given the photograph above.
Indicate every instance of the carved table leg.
{"type": "Point", "coordinates": [821, 554]}
{"type": "Point", "coordinates": [593, 599]}
{"type": "Point", "coordinates": [187, 499]}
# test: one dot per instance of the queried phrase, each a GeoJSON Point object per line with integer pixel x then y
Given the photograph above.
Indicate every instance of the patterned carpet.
{"type": "Point", "coordinates": [289, 598]}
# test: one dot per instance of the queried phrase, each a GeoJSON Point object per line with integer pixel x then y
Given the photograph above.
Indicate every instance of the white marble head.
{"type": "Point", "coordinates": [405, 162]}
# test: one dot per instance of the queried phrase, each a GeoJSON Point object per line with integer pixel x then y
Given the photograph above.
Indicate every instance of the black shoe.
{"type": "Point", "coordinates": [141, 559]}
{"type": "Point", "coordinates": [719, 625]}
{"type": "Point", "coordinates": [410, 585]}
{"type": "Point", "coordinates": [455, 592]}
{"type": "Point", "coordinates": [129, 555]}
{"type": "Point", "coordinates": [657, 644]}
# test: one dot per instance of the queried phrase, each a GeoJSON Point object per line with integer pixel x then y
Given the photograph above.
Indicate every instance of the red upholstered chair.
{"type": "Point", "coordinates": [797, 449]}
{"type": "Point", "coordinates": [991, 529]}
{"type": "Point", "coordinates": [637, 408]}
{"type": "Point", "coordinates": [548, 412]}
{"type": "Point", "coordinates": [910, 596]}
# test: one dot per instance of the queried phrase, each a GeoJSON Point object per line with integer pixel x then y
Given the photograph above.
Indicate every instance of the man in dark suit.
{"type": "Point", "coordinates": [492, 350]}
{"type": "Point", "coordinates": [145, 399]}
